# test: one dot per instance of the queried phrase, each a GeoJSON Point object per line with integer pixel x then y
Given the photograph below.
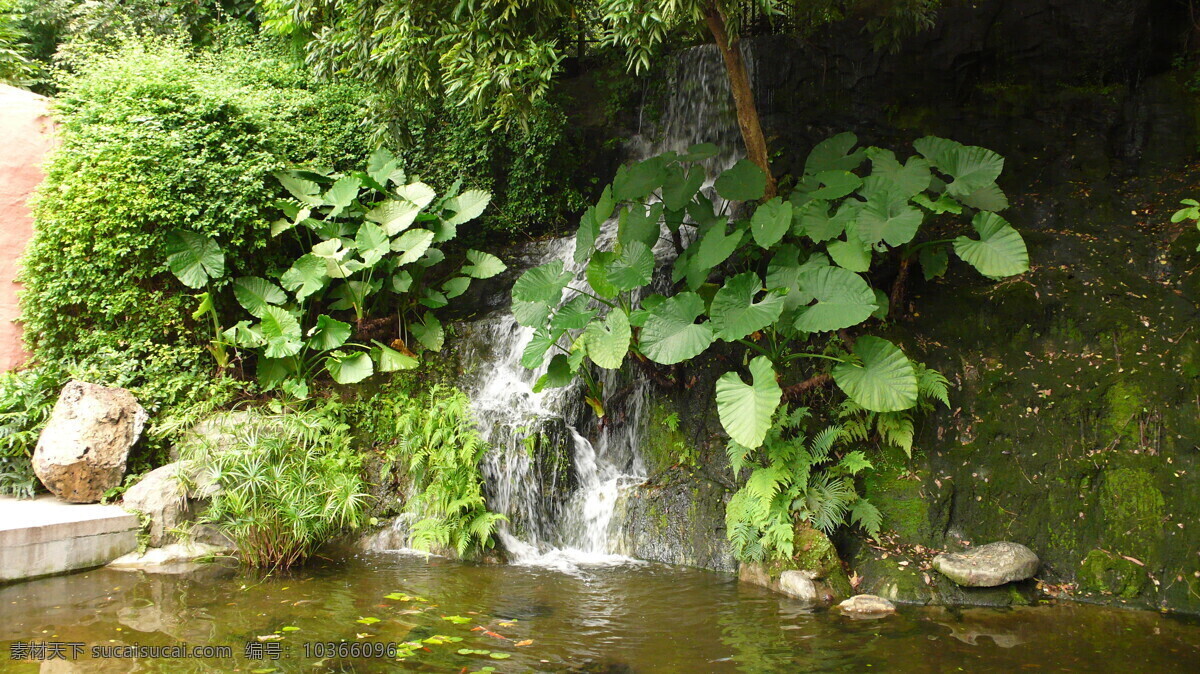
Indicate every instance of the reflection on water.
{"type": "Point", "coordinates": [643, 618]}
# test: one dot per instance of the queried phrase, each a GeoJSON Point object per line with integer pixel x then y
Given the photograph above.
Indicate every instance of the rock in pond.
{"type": "Point", "coordinates": [866, 606]}
{"type": "Point", "coordinates": [82, 451]}
{"type": "Point", "coordinates": [169, 496]}
{"type": "Point", "coordinates": [988, 565]}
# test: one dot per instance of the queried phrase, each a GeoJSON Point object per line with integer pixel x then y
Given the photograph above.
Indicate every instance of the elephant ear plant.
{"type": "Point", "coordinates": [374, 241]}
{"type": "Point", "coordinates": [786, 284]}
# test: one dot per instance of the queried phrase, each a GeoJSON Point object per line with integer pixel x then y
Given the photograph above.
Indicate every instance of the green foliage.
{"type": "Point", "coordinates": [441, 449]}
{"type": "Point", "coordinates": [155, 140]}
{"type": "Point", "coordinates": [289, 483]}
{"type": "Point", "coordinates": [1190, 211]}
{"type": "Point", "coordinates": [17, 66]}
{"type": "Point", "coordinates": [836, 221]}
{"type": "Point", "coordinates": [26, 399]}
{"type": "Point", "coordinates": [793, 479]}
{"type": "Point", "coordinates": [370, 237]}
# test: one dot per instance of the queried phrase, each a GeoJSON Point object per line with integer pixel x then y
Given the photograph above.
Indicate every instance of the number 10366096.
{"type": "Point", "coordinates": [350, 649]}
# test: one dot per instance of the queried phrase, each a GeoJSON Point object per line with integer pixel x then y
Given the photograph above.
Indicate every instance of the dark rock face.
{"type": "Point", "coordinates": [82, 451]}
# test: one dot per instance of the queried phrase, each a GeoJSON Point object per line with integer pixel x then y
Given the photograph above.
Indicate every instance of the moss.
{"type": "Point", "coordinates": [663, 442]}
{"type": "Point", "coordinates": [1126, 402]}
{"type": "Point", "coordinates": [904, 509]}
{"type": "Point", "coordinates": [1133, 511]}
{"type": "Point", "coordinates": [1107, 573]}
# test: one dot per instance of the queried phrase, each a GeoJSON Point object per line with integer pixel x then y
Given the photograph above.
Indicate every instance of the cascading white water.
{"type": "Point", "coordinates": [546, 528]}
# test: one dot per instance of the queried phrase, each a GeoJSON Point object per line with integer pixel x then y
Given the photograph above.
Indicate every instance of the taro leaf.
{"type": "Point", "coordinates": [394, 215]}
{"type": "Point", "coordinates": [585, 236]}
{"type": "Point", "coordinates": [282, 332]}
{"type": "Point", "coordinates": [342, 194]}
{"type": "Point", "coordinates": [194, 258]}
{"type": "Point", "coordinates": [734, 312]}
{"type": "Point", "coordinates": [482, 265]}
{"type": "Point", "coordinates": [813, 219]}
{"type": "Point", "coordinates": [833, 154]}
{"type": "Point", "coordinates": [255, 293]}
{"type": "Point", "coordinates": [428, 332]}
{"type": "Point", "coordinates": [597, 274]}
{"type": "Point", "coordinates": [934, 261]}
{"type": "Point", "coordinates": [380, 165]}
{"type": "Point", "coordinates": [843, 300]}
{"type": "Point", "coordinates": [204, 305]}
{"type": "Point", "coordinates": [282, 225]}
{"type": "Point", "coordinates": [412, 244]}
{"type": "Point", "coordinates": [418, 193]}
{"type": "Point", "coordinates": [885, 381]}
{"type": "Point", "coordinates": [574, 315]}
{"type": "Point", "coordinates": [716, 246]}
{"type": "Point", "coordinates": [671, 334]}
{"type": "Point", "coordinates": [467, 206]}
{"type": "Point", "coordinates": [349, 368]}
{"type": "Point", "coordinates": [944, 204]}
{"type": "Point", "coordinates": [431, 257]}
{"type": "Point", "coordinates": [530, 314]}
{"type": "Point", "coordinates": [305, 191]}
{"type": "Point", "coordinates": [352, 294]}
{"type": "Point", "coordinates": [971, 167]}
{"type": "Point", "coordinates": [888, 220]}
{"type": "Point", "coordinates": [681, 185]}
{"type": "Point", "coordinates": [745, 181]}
{"type": "Point", "coordinates": [835, 184]}
{"type": "Point", "coordinates": [883, 304]}
{"type": "Point", "coordinates": [535, 351]}
{"type": "Point", "coordinates": [986, 198]}
{"type": "Point", "coordinates": [702, 211]}
{"type": "Point", "coordinates": [638, 223]}
{"type": "Point", "coordinates": [432, 299]}
{"type": "Point", "coordinates": [639, 180]}
{"type": "Point", "coordinates": [542, 284]}
{"type": "Point", "coordinates": [456, 286]}
{"type": "Point", "coordinates": [372, 243]}
{"type": "Point", "coordinates": [700, 152]}
{"type": "Point", "coordinates": [558, 374]}
{"type": "Point", "coordinates": [633, 268]}
{"type": "Point", "coordinates": [850, 254]}
{"type": "Point", "coordinates": [306, 276]}
{"type": "Point", "coordinates": [904, 181]}
{"type": "Point", "coordinates": [771, 221]}
{"type": "Point", "coordinates": [388, 359]}
{"type": "Point", "coordinates": [1000, 250]}
{"type": "Point", "coordinates": [608, 342]}
{"type": "Point", "coordinates": [746, 409]}
{"type": "Point", "coordinates": [605, 205]}
{"type": "Point", "coordinates": [328, 334]}
{"type": "Point", "coordinates": [245, 335]}
{"type": "Point", "coordinates": [273, 371]}
{"type": "Point", "coordinates": [784, 272]}
{"type": "Point", "coordinates": [401, 282]}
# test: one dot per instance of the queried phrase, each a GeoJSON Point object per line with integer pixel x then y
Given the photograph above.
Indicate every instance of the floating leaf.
{"type": "Point", "coordinates": [367, 621]}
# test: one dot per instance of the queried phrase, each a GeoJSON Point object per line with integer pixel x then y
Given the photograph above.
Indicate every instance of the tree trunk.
{"type": "Point", "coordinates": [743, 96]}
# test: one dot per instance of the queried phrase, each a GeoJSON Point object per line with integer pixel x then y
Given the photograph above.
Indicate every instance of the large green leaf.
{"type": "Point", "coordinates": [597, 274]}
{"type": "Point", "coordinates": [429, 332]}
{"type": "Point", "coordinates": [986, 198]}
{"type": "Point", "coordinates": [342, 194]}
{"type": "Point", "coordinates": [884, 381]}
{"type": "Point", "coordinates": [813, 219]}
{"type": "Point", "coordinates": [851, 254]}
{"type": "Point", "coordinates": [255, 293]}
{"type": "Point", "coordinates": [904, 181]}
{"type": "Point", "coordinates": [681, 185]}
{"type": "Point", "coordinates": [744, 181]}
{"type": "Point", "coordinates": [456, 286]}
{"type": "Point", "coordinates": [543, 284]}
{"type": "Point", "coordinates": [558, 374]}
{"type": "Point", "coordinates": [349, 368]}
{"type": "Point", "coordinates": [633, 268]}
{"type": "Point", "coordinates": [887, 220]}
{"type": "Point", "coordinates": [482, 265]}
{"type": "Point", "coordinates": [467, 206]}
{"type": "Point", "coordinates": [671, 335]}
{"type": "Point", "coordinates": [328, 334]}
{"type": "Point", "coordinates": [1000, 250]}
{"type": "Point", "coordinates": [388, 359]}
{"type": "Point", "coordinates": [534, 353]}
{"type": "Point", "coordinates": [282, 332]}
{"type": "Point", "coordinates": [394, 215]}
{"type": "Point", "coordinates": [194, 258]}
{"type": "Point", "coordinates": [420, 194]}
{"type": "Point", "coordinates": [608, 342]}
{"type": "Point", "coordinates": [306, 276]}
{"type": "Point", "coordinates": [833, 154]}
{"type": "Point", "coordinates": [306, 191]}
{"type": "Point", "coordinates": [639, 223]}
{"type": "Point", "coordinates": [771, 221]}
{"type": "Point", "coordinates": [639, 180]}
{"type": "Point", "coordinates": [734, 312]}
{"type": "Point", "coordinates": [372, 243]}
{"type": "Point", "coordinates": [412, 245]}
{"type": "Point", "coordinates": [834, 184]}
{"type": "Point", "coordinates": [843, 300]}
{"type": "Point", "coordinates": [716, 246]}
{"type": "Point", "coordinates": [934, 261]}
{"type": "Point", "coordinates": [971, 167]}
{"type": "Point", "coordinates": [574, 315]}
{"type": "Point", "coordinates": [746, 409]}
{"type": "Point", "coordinates": [784, 272]}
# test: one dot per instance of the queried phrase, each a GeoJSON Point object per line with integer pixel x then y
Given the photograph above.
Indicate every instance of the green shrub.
{"type": "Point", "coordinates": [156, 139]}
{"type": "Point", "coordinates": [26, 398]}
{"type": "Point", "coordinates": [289, 483]}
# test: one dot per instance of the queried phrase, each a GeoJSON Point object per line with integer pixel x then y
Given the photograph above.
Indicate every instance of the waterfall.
{"type": "Point", "coordinates": [552, 468]}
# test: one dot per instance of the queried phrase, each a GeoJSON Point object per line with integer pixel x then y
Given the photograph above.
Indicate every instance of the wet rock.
{"type": "Point", "coordinates": [82, 451]}
{"type": "Point", "coordinates": [814, 573]}
{"type": "Point", "coordinates": [867, 605]}
{"type": "Point", "coordinates": [171, 558]}
{"type": "Point", "coordinates": [988, 565]}
{"type": "Point", "coordinates": [679, 523]}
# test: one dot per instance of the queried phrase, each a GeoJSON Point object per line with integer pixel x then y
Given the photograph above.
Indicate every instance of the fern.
{"type": "Point", "coordinates": [931, 384]}
{"type": "Point", "coordinates": [853, 463]}
{"type": "Point", "coordinates": [866, 515]}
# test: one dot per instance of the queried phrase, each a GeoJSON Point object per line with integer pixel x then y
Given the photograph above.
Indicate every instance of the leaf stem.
{"type": "Point", "coordinates": [794, 356]}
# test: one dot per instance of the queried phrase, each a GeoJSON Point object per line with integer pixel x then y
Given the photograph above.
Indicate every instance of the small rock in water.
{"type": "Point", "coordinates": [867, 605]}
{"type": "Point", "coordinates": [988, 565]}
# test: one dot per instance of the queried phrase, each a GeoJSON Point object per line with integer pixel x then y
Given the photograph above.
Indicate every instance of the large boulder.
{"type": "Point", "coordinates": [169, 496]}
{"type": "Point", "coordinates": [989, 565]}
{"type": "Point", "coordinates": [82, 451]}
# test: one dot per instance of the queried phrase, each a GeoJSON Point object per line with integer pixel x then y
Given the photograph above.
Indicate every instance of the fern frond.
{"type": "Point", "coordinates": [823, 442]}
{"type": "Point", "coordinates": [896, 429]}
{"type": "Point", "coordinates": [867, 516]}
{"type": "Point", "coordinates": [931, 384]}
{"type": "Point", "coordinates": [854, 463]}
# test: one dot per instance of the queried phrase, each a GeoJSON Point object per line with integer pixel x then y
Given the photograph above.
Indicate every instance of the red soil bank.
{"type": "Point", "coordinates": [26, 134]}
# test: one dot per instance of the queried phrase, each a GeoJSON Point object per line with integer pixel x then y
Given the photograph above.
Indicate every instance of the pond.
{"type": "Point", "coordinates": [449, 616]}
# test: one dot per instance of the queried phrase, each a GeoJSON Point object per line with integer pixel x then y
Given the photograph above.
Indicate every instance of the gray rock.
{"type": "Point", "coordinates": [175, 557]}
{"type": "Point", "coordinates": [988, 565]}
{"type": "Point", "coordinates": [866, 605]}
{"type": "Point", "coordinates": [82, 451]}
